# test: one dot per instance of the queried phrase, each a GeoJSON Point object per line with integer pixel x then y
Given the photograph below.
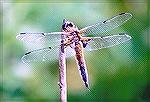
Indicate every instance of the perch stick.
{"type": "Point", "coordinates": [62, 71]}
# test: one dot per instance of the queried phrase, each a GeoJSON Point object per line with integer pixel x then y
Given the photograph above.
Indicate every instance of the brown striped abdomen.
{"type": "Point", "coordinates": [81, 63]}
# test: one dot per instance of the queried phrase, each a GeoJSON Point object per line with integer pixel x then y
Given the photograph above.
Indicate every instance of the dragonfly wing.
{"type": "Point", "coordinates": [106, 25]}
{"type": "Point", "coordinates": [44, 54]}
{"type": "Point", "coordinates": [41, 40]}
{"type": "Point", "coordinates": [70, 52]}
{"type": "Point", "coordinates": [34, 37]}
{"type": "Point", "coordinates": [106, 41]}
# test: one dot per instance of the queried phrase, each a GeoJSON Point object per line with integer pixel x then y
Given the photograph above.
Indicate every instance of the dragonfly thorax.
{"type": "Point", "coordinates": [75, 36]}
{"type": "Point", "coordinates": [74, 39]}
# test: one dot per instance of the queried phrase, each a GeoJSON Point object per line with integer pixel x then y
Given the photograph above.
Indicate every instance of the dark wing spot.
{"type": "Point", "coordinates": [104, 21]}
{"type": "Point", "coordinates": [121, 13]}
{"type": "Point", "coordinates": [27, 53]}
{"type": "Point", "coordinates": [43, 34]}
{"type": "Point", "coordinates": [22, 33]}
{"type": "Point", "coordinates": [121, 34]}
{"type": "Point", "coordinates": [49, 47]}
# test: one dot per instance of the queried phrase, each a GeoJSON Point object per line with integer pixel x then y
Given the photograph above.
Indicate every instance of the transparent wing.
{"type": "Point", "coordinates": [41, 40]}
{"type": "Point", "coordinates": [34, 37]}
{"type": "Point", "coordinates": [106, 25]}
{"type": "Point", "coordinates": [45, 54]}
{"type": "Point", "coordinates": [107, 41]}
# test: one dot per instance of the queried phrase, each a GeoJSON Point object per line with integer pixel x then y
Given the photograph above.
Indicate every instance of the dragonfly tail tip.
{"type": "Point", "coordinates": [86, 85]}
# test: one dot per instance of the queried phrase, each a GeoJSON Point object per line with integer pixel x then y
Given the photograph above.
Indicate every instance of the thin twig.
{"type": "Point", "coordinates": [62, 71]}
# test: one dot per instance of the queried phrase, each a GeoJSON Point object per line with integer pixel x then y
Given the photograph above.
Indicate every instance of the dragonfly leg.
{"type": "Point", "coordinates": [84, 41]}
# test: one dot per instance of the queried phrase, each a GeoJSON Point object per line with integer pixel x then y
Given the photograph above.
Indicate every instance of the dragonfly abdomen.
{"type": "Point", "coordinates": [81, 63]}
{"type": "Point", "coordinates": [83, 74]}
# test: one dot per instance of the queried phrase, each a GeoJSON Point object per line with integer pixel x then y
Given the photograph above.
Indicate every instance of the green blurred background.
{"type": "Point", "coordinates": [116, 74]}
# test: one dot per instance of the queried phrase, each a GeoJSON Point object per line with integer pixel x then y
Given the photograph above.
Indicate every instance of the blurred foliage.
{"type": "Point", "coordinates": [119, 73]}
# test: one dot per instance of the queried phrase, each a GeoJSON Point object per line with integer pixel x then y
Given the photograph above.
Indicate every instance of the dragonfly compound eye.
{"type": "Point", "coordinates": [64, 26]}
{"type": "Point", "coordinates": [70, 25]}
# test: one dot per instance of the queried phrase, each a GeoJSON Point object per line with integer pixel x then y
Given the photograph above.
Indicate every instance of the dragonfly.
{"type": "Point", "coordinates": [77, 40]}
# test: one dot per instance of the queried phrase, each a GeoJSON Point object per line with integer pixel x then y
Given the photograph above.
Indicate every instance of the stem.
{"type": "Point", "coordinates": [62, 71]}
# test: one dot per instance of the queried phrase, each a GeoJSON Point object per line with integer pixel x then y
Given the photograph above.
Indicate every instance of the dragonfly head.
{"type": "Point", "coordinates": [64, 21]}
{"type": "Point", "coordinates": [68, 26]}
